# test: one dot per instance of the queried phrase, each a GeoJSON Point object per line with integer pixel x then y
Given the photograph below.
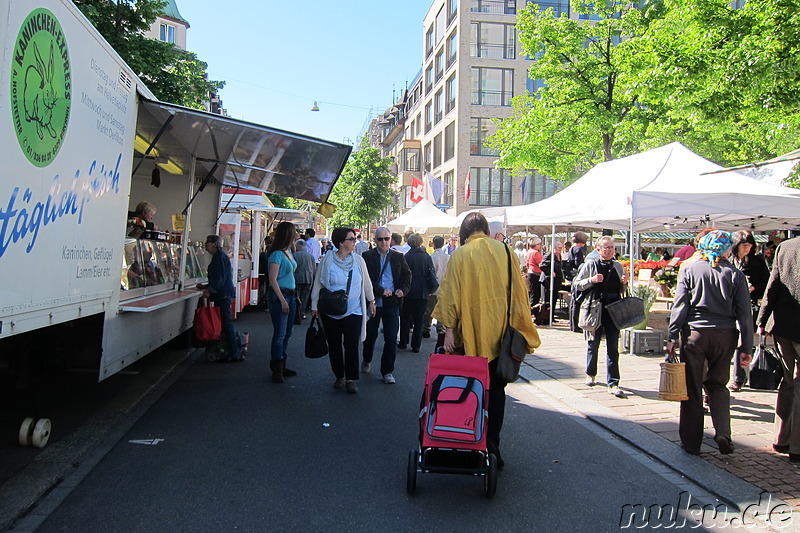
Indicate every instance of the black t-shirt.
{"type": "Point", "coordinates": [610, 288]}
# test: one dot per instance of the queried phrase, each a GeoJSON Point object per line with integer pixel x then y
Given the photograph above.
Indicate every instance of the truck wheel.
{"type": "Point", "coordinates": [26, 431]}
{"type": "Point", "coordinates": [41, 433]}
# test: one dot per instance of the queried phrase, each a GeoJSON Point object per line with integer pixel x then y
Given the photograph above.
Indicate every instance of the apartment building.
{"type": "Point", "coordinates": [472, 67]}
{"type": "Point", "coordinates": [170, 26]}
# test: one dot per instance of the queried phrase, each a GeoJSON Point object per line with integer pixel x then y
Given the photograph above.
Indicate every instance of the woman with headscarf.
{"type": "Point", "coordinates": [344, 270]}
{"type": "Point", "coordinates": [710, 299]}
{"type": "Point", "coordinates": [754, 268]}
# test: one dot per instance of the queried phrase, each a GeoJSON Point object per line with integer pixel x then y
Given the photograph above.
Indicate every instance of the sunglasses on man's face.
{"type": "Point", "coordinates": [379, 239]}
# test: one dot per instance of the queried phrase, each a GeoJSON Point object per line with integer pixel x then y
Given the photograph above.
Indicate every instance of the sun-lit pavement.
{"type": "Point", "coordinates": [562, 356]}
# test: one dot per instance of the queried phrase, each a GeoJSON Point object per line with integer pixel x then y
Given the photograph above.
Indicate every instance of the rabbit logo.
{"type": "Point", "coordinates": [41, 87]}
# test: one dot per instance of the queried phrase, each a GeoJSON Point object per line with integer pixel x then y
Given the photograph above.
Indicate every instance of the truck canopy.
{"type": "Point", "coordinates": [238, 153]}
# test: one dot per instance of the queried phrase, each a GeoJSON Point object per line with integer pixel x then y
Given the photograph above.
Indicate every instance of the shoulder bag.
{"type": "Point", "coordinates": [334, 303]}
{"type": "Point", "coordinates": [513, 347]}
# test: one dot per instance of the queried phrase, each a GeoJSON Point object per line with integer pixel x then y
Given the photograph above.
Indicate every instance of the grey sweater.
{"type": "Point", "coordinates": [708, 297]}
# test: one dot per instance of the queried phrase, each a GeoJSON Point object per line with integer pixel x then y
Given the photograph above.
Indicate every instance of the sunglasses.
{"type": "Point", "coordinates": [382, 238]}
{"type": "Point", "coordinates": [350, 239]}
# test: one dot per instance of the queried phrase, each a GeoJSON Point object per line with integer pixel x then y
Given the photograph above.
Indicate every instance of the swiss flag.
{"type": "Point", "coordinates": [467, 188]}
{"type": "Point", "coordinates": [417, 190]}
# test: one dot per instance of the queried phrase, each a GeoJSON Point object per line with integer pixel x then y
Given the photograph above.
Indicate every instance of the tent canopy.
{"type": "Point", "coordinates": [423, 218]}
{"type": "Point", "coordinates": [664, 187]}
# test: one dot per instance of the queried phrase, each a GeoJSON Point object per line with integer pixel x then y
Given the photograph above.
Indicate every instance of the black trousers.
{"type": "Point", "coordinates": [412, 315]}
{"type": "Point", "coordinates": [497, 403]}
{"type": "Point", "coordinates": [343, 332]}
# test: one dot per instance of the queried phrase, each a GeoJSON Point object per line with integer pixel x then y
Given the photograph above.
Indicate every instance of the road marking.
{"type": "Point", "coordinates": [149, 442]}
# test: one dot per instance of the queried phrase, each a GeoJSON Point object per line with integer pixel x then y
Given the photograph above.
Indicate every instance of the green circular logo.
{"type": "Point", "coordinates": [41, 87]}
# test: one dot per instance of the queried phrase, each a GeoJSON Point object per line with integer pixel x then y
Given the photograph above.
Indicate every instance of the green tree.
{"type": "Point", "coordinates": [586, 110]}
{"type": "Point", "coordinates": [172, 74]}
{"type": "Point", "coordinates": [363, 190]}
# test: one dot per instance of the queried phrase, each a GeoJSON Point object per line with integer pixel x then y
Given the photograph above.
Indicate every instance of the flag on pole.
{"type": "Point", "coordinates": [467, 190]}
{"type": "Point", "coordinates": [433, 188]}
{"type": "Point", "coordinates": [417, 190]}
{"type": "Point", "coordinates": [524, 186]}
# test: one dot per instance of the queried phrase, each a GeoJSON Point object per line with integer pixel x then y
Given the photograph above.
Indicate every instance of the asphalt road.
{"type": "Point", "coordinates": [224, 449]}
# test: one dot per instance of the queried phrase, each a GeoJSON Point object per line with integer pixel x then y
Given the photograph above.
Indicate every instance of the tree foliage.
{"type": "Point", "coordinates": [722, 81]}
{"type": "Point", "coordinates": [363, 190]}
{"type": "Point", "coordinates": [174, 75]}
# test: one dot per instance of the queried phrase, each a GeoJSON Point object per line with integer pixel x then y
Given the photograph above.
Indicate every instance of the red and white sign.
{"type": "Point", "coordinates": [467, 190]}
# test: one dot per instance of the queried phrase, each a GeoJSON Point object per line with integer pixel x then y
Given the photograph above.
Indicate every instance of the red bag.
{"type": "Point", "coordinates": [207, 322]}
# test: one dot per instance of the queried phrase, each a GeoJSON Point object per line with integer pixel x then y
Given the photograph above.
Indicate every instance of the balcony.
{"type": "Point", "coordinates": [491, 51]}
{"type": "Point", "coordinates": [501, 7]}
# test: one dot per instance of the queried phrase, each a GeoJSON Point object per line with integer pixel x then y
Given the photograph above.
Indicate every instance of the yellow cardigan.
{"type": "Point", "coordinates": [474, 294]}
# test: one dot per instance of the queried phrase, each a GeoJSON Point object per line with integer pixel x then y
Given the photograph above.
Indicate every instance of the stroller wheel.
{"type": "Point", "coordinates": [490, 478]}
{"type": "Point", "coordinates": [411, 474]}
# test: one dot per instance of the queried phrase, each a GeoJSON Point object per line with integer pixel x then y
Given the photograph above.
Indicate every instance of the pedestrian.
{"type": "Point", "coordinates": [779, 316]}
{"type": "Point", "coordinates": [756, 271]}
{"type": "Point", "coordinates": [361, 246]}
{"type": "Point", "coordinates": [423, 282]}
{"type": "Point", "coordinates": [533, 260]}
{"type": "Point", "coordinates": [391, 279]}
{"type": "Point", "coordinates": [281, 298]}
{"type": "Point", "coordinates": [312, 245]}
{"type": "Point", "coordinates": [522, 254]}
{"type": "Point", "coordinates": [604, 279]}
{"type": "Point", "coordinates": [344, 270]}
{"type": "Point", "coordinates": [452, 244]}
{"type": "Point", "coordinates": [473, 306]}
{"type": "Point", "coordinates": [439, 259]}
{"type": "Point", "coordinates": [220, 291]}
{"type": "Point", "coordinates": [552, 264]}
{"type": "Point", "coordinates": [303, 277]}
{"type": "Point", "coordinates": [711, 298]}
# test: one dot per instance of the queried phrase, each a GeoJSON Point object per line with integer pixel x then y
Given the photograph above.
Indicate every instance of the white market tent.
{"type": "Point", "coordinates": [664, 186]}
{"type": "Point", "coordinates": [424, 218]}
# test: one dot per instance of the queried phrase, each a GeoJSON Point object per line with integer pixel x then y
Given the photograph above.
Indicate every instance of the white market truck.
{"type": "Point", "coordinates": [84, 141]}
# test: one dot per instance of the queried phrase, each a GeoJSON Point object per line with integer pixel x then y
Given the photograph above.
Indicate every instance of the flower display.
{"type": "Point", "coordinates": [666, 276]}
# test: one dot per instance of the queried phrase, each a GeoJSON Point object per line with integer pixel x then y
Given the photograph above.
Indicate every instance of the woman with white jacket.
{"type": "Point", "coordinates": [344, 270]}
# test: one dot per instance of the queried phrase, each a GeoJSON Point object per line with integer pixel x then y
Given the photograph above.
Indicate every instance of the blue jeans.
{"type": "Point", "coordinates": [612, 346]}
{"type": "Point", "coordinates": [228, 331]}
{"type": "Point", "coordinates": [391, 323]}
{"type": "Point", "coordinates": [282, 324]}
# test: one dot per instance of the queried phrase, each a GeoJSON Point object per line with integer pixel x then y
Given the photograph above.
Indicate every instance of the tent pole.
{"type": "Point", "coordinates": [631, 238]}
{"type": "Point", "coordinates": [552, 271]}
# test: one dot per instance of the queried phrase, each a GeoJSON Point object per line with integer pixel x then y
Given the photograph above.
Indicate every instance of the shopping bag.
{"type": "Point", "coordinates": [627, 312]}
{"type": "Point", "coordinates": [590, 315]}
{"type": "Point", "coordinates": [207, 322]}
{"type": "Point", "coordinates": [765, 369]}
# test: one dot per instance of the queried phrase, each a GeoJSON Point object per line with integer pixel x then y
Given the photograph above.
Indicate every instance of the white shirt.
{"type": "Point", "coordinates": [402, 249]}
{"type": "Point", "coordinates": [314, 248]}
{"type": "Point", "coordinates": [440, 260]}
{"type": "Point", "coordinates": [361, 247]}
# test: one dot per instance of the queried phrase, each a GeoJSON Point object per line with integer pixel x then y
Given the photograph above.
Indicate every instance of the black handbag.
{"type": "Point", "coordinates": [765, 370]}
{"type": "Point", "coordinates": [513, 347]}
{"type": "Point", "coordinates": [334, 303]}
{"type": "Point", "coordinates": [627, 312]}
{"type": "Point", "coordinates": [316, 343]}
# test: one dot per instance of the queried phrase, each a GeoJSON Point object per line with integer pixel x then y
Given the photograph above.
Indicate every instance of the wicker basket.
{"type": "Point", "coordinates": [672, 383]}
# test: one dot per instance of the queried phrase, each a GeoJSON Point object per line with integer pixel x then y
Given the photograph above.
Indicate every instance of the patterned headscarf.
{"type": "Point", "coordinates": [714, 245]}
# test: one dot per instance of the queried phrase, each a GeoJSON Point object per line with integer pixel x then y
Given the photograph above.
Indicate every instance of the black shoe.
{"type": "Point", "coordinates": [794, 458]}
{"type": "Point", "coordinates": [725, 444]}
{"type": "Point", "coordinates": [415, 350]}
{"type": "Point", "coordinates": [690, 451]}
{"type": "Point", "coordinates": [494, 448]}
{"type": "Point", "coordinates": [402, 346]}
{"type": "Point", "coordinates": [781, 448]}
{"type": "Point", "coordinates": [426, 334]}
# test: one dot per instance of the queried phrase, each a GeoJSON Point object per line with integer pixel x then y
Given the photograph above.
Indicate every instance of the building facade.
{"type": "Point", "coordinates": [170, 26]}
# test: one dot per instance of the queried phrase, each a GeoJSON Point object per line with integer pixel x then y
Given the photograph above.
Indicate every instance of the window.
{"type": "Point", "coordinates": [452, 10]}
{"type": "Point", "coordinates": [559, 6]}
{"type": "Point", "coordinates": [440, 64]}
{"type": "Point", "coordinates": [503, 7]}
{"type": "Point", "coordinates": [452, 48]}
{"type": "Point", "coordinates": [410, 159]}
{"type": "Point", "coordinates": [167, 33]}
{"type": "Point", "coordinates": [429, 78]}
{"type": "Point", "coordinates": [419, 125]}
{"type": "Point", "coordinates": [428, 116]}
{"type": "Point", "coordinates": [428, 157]}
{"type": "Point", "coordinates": [441, 24]}
{"type": "Point", "coordinates": [479, 131]}
{"type": "Point", "coordinates": [437, 151]}
{"type": "Point", "coordinates": [537, 187]}
{"type": "Point", "coordinates": [492, 40]}
{"type": "Point", "coordinates": [438, 106]}
{"type": "Point", "coordinates": [450, 90]}
{"type": "Point", "coordinates": [429, 42]}
{"type": "Point", "coordinates": [447, 190]}
{"type": "Point", "coordinates": [450, 141]}
{"type": "Point", "coordinates": [534, 85]}
{"type": "Point", "coordinates": [492, 86]}
{"type": "Point", "coordinates": [490, 186]}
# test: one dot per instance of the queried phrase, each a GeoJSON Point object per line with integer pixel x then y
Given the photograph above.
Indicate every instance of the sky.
{"type": "Point", "coordinates": [278, 57]}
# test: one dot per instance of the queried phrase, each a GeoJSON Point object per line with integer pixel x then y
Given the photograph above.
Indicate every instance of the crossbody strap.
{"type": "Point", "coordinates": [349, 280]}
{"type": "Point", "coordinates": [508, 315]}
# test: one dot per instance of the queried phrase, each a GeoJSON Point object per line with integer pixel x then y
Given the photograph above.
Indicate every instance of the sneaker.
{"type": "Point", "coordinates": [389, 379]}
{"type": "Point", "coordinates": [351, 387]}
{"type": "Point", "coordinates": [734, 387]}
{"type": "Point", "coordinates": [590, 382]}
{"type": "Point", "coordinates": [616, 391]}
{"type": "Point", "coordinates": [339, 383]}
{"type": "Point", "coordinates": [724, 443]}
{"type": "Point", "coordinates": [366, 367]}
